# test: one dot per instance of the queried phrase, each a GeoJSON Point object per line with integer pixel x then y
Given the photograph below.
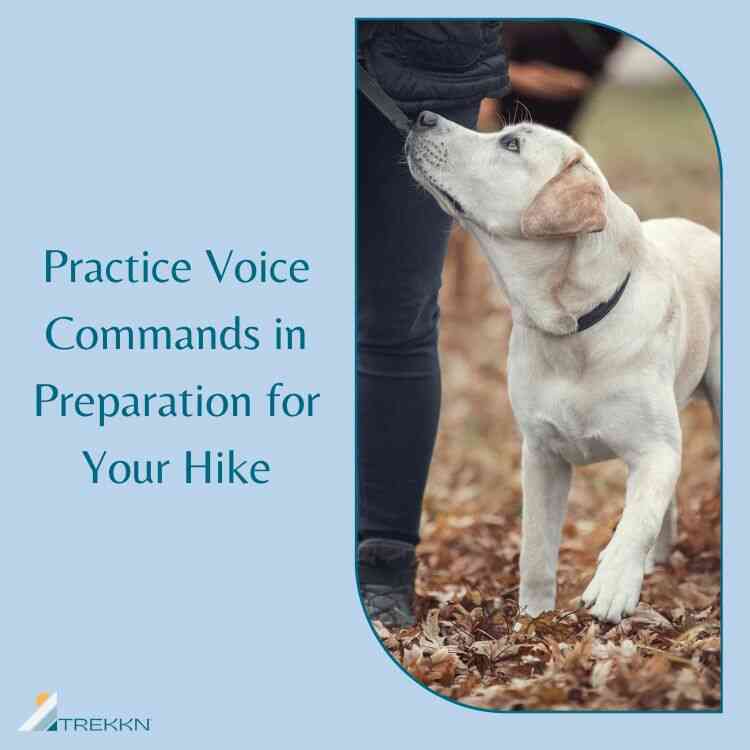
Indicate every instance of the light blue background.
{"type": "Point", "coordinates": [229, 615]}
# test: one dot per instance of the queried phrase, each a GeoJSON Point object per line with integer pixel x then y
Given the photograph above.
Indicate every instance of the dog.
{"type": "Point", "coordinates": [616, 326]}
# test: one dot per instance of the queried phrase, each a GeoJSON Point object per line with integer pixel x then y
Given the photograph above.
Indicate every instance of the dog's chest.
{"type": "Point", "coordinates": [563, 416]}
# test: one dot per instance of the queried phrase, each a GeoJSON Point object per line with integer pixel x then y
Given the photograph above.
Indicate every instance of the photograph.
{"type": "Point", "coordinates": [538, 365]}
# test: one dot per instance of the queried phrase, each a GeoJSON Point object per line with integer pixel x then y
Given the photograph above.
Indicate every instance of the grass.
{"type": "Point", "coordinates": [655, 145]}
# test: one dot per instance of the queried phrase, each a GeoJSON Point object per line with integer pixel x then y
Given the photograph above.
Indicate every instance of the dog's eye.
{"type": "Point", "coordinates": [510, 143]}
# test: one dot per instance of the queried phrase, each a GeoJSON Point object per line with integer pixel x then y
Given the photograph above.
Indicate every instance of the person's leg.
{"type": "Point", "coordinates": [401, 236]}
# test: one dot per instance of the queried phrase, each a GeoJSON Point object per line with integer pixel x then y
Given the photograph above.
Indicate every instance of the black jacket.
{"type": "Point", "coordinates": [435, 65]}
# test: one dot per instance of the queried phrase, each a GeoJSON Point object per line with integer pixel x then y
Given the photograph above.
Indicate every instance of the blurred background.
{"type": "Point", "coordinates": [650, 136]}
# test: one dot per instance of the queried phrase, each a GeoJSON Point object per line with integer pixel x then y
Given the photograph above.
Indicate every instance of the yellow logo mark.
{"type": "Point", "coordinates": [41, 698]}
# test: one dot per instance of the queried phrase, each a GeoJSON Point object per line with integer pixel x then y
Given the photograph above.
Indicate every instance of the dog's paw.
{"type": "Point", "coordinates": [535, 608]}
{"type": "Point", "coordinates": [616, 587]}
{"type": "Point", "coordinates": [533, 603]}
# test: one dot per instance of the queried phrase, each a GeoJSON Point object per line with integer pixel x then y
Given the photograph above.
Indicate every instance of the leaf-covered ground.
{"type": "Point", "coordinates": [470, 643]}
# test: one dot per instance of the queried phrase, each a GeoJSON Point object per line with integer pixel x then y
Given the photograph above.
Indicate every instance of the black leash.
{"type": "Point", "coordinates": [600, 311]}
{"type": "Point", "coordinates": [381, 101]}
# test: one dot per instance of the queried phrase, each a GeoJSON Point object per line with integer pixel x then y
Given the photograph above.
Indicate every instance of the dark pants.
{"type": "Point", "coordinates": [401, 244]}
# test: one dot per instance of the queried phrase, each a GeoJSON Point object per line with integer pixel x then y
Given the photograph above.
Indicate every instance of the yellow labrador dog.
{"type": "Point", "coordinates": [616, 325]}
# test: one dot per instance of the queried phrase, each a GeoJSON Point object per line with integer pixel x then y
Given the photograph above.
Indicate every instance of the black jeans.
{"type": "Point", "coordinates": [401, 244]}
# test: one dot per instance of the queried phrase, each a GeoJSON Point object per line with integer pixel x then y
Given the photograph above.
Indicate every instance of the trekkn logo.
{"type": "Point", "coordinates": [45, 719]}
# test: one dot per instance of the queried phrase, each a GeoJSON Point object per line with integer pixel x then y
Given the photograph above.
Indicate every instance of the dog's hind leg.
{"type": "Point", "coordinates": [662, 549]}
{"type": "Point", "coordinates": [711, 384]}
{"type": "Point", "coordinates": [712, 378]}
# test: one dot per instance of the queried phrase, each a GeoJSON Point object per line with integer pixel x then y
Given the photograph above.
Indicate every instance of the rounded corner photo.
{"type": "Point", "coordinates": [538, 210]}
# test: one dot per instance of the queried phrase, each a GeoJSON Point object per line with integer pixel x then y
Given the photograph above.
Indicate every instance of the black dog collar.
{"type": "Point", "coordinates": [601, 310]}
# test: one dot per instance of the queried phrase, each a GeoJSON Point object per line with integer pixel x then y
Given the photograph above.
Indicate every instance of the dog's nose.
{"type": "Point", "coordinates": [426, 120]}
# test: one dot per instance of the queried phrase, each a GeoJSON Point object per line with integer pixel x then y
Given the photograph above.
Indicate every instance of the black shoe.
{"type": "Point", "coordinates": [386, 581]}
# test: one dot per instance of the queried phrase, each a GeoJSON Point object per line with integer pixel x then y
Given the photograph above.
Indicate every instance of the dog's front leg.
{"type": "Point", "coordinates": [546, 482]}
{"type": "Point", "coordinates": [616, 586]}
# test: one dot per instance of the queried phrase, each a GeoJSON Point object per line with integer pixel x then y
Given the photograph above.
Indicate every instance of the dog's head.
{"type": "Point", "coordinates": [525, 181]}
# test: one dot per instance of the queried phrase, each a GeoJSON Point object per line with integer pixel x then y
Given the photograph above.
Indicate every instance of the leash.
{"type": "Point", "coordinates": [600, 311]}
{"type": "Point", "coordinates": [381, 101]}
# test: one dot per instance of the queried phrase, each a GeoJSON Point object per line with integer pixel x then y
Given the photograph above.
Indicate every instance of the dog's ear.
{"type": "Point", "coordinates": [571, 203]}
